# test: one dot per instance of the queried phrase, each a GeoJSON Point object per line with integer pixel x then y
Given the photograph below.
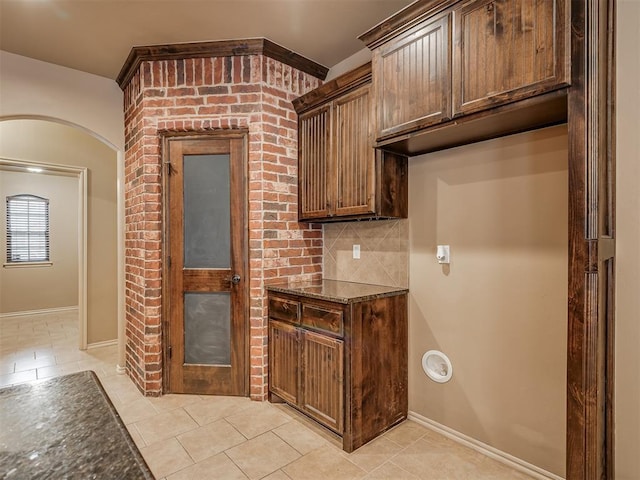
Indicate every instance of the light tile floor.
{"type": "Point", "coordinates": [190, 437]}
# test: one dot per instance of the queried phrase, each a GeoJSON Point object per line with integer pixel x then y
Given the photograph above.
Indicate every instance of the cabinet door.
{"type": "Point", "coordinates": [322, 384]}
{"type": "Point", "coordinates": [313, 166]}
{"type": "Point", "coordinates": [506, 50]}
{"type": "Point", "coordinates": [284, 359]}
{"type": "Point", "coordinates": [353, 154]}
{"type": "Point", "coordinates": [412, 75]}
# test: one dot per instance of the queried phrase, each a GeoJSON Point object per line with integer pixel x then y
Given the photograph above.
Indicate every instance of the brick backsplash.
{"type": "Point", "coordinates": [253, 92]}
{"type": "Point", "coordinates": [384, 252]}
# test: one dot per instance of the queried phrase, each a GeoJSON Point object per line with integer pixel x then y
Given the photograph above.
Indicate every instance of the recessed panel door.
{"type": "Point", "coordinates": [206, 253]}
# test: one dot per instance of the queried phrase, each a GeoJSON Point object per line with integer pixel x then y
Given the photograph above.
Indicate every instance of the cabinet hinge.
{"type": "Point", "coordinates": [170, 351]}
{"type": "Point", "coordinates": [169, 261]}
{"type": "Point", "coordinates": [170, 169]}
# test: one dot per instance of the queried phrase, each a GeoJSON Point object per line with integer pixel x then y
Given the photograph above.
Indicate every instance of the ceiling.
{"type": "Point", "coordinates": [96, 36]}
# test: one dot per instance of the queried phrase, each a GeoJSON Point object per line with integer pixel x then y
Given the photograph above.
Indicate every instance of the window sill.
{"type": "Point", "coordinates": [27, 264]}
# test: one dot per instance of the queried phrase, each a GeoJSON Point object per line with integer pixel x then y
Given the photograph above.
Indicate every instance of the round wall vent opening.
{"type": "Point", "coordinates": [437, 366]}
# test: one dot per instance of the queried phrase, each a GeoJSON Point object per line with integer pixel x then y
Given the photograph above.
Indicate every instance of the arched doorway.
{"type": "Point", "coordinates": [63, 147]}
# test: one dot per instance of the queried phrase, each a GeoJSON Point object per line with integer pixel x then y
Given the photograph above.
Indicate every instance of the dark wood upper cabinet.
{"type": "Point", "coordinates": [340, 175]}
{"type": "Point", "coordinates": [505, 50]}
{"type": "Point", "coordinates": [441, 68]}
{"type": "Point", "coordinates": [353, 154]}
{"type": "Point", "coordinates": [313, 163]}
{"type": "Point", "coordinates": [412, 78]}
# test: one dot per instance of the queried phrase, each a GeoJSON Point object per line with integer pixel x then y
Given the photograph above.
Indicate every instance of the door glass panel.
{"type": "Point", "coordinates": [207, 333]}
{"type": "Point", "coordinates": [207, 222]}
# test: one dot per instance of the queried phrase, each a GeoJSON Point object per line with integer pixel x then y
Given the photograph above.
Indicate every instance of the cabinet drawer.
{"type": "Point", "coordinates": [322, 318]}
{"type": "Point", "coordinates": [283, 309]}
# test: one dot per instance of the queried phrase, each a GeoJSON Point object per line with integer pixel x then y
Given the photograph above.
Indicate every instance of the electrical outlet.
{"type": "Point", "coordinates": [443, 254]}
{"type": "Point", "coordinates": [356, 251]}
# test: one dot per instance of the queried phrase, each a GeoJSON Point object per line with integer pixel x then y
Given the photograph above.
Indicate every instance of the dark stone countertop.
{"type": "Point", "coordinates": [337, 291]}
{"type": "Point", "coordinates": [65, 428]}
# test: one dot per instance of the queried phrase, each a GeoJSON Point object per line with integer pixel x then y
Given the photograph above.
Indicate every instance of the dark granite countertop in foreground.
{"type": "Point", "coordinates": [65, 428]}
{"type": "Point", "coordinates": [336, 290]}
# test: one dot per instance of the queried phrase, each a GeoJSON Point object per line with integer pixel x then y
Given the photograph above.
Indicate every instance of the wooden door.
{"type": "Point", "coordinates": [506, 50]}
{"type": "Point", "coordinates": [412, 76]}
{"type": "Point", "coordinates": [206, 250]}
{"type": "Point", "coordinates": [314, 171]}
{"type": "Point", "coordinates": [322, 381]}
{"type": "Point", "coordinates": [353, 154]}
{"type": "Point", "coordinates": [284, 359]}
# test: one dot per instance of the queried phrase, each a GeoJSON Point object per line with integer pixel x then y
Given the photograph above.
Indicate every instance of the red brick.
{"type": "Point", "coordinates": [208, 71]}
{"type": "Point", "coordinates": [177, 101]}
{"type": "Point", "coordinates": [217, 70]}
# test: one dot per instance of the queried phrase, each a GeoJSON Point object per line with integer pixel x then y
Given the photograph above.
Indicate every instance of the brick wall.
{"type": "Point", "coordinates": [208, 94]}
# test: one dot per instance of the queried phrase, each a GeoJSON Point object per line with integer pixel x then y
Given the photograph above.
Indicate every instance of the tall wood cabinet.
{"type": "Point", "coordinates": [340, 175]}
{"type": "Point", "coordinates": [517, 65]}
{"type": "Point", "coordinates": [340, 359]}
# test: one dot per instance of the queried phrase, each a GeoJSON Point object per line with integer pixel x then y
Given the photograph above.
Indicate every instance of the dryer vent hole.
{"type": "Point", "coordinates": [437, 366]}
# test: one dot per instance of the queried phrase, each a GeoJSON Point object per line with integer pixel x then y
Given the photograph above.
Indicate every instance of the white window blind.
{"type": "Point", "coordinates": [27, 229]}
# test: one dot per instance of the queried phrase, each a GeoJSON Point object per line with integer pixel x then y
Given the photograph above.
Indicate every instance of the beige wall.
{"type": "Point", "coordinates": [627, 400]}
{"type": "Point", "coordinates": [627, 395]}
{"type": "Point", "coordinates": [354, 61]}
{"type": "Point", "coordinates": [499, 310]}
{"type": "Point", "coordinates": [384, 252]}
{"type": "Point", "coordinates": [32, 87]}
{"type": "Point", "coordinates": [64, 145]}
{"type": "Point", "coordinates": [43, 287]}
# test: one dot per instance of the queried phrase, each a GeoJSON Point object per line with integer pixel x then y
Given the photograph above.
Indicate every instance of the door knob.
{"type": "Point", "coordinates": [235, 279]}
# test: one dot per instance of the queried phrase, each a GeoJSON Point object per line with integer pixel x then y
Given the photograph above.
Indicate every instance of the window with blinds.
{"type": "Point", "coordinates": [27, 229]}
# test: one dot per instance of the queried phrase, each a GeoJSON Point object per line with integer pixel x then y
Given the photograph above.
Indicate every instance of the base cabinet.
{"type": "Point", "coordinates": [284, 347]}
{"type": "Point", "coordinates": [342, 364]}
{"type": "Point", "coordinates": [321, 379]}
{"type": "Point", "coordinates": [306, 371]}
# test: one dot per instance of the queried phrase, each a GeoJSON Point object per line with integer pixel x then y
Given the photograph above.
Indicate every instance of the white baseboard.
{"type": "Point", "coordinates": [498, 455]}
{"type": "Point", "coordinates": [106, 343]}
{"type": "Point", "coordinates": [43, 311]}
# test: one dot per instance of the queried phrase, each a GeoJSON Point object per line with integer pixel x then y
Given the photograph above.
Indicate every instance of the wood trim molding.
{"type": "Point", "coordinates": [335, 88]}
{"type": "Point", "coordinates": [403, 20]}
{"type": "Point", "coordinates": [590, 353]}
{"type": "Point", "coordinates": [223, 48]}
{"type": "Point", "coordinates": [293, 59]}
